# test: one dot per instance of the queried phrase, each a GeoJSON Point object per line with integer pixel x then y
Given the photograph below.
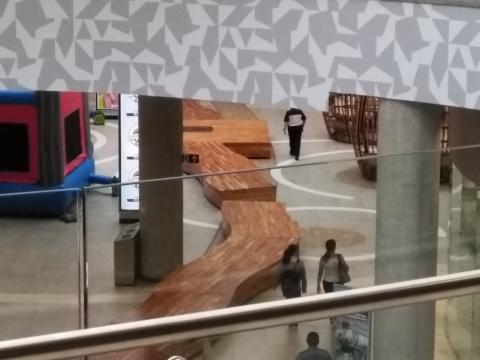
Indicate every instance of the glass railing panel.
{"type": "Point", "coordinates": [201, 220]}
{"type": "Point", "coordinates": [446, 327]}
{"type": "Point", "coordinates": [331, 201]}
{"type": "Point", "coordinates": [113, 290]}
{"type": "Point", "coordinates": [235, 230]}
{"type": "Point", "coordinates": [121, 276]}
{"type": "Point", "coordinates": [464, 210]}
{"type": "Point", "coordinates": [40, 263]}
{"type": "Point", "coordinates": [340, 199]}
{"type": "Point", "coordinates": [327, 199]}
{"type": "Point", "coordinates": [325, 193]}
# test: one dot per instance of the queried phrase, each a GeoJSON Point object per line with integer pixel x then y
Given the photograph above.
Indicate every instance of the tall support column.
{"type": "Point", "coordinates": [161, 204]}
{"type": "Point", "coordinates": [407, 224]}
{"type": "Point", "coordinates": [463, 313]}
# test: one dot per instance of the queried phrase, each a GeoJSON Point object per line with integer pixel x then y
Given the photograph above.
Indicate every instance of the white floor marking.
{"type": "Point", "coordinates": [279, 178]}
{"type": "Point", "coordinates": [200, 223]}
{"type": "Point", "coordinates": [457, 189]}
{"type": "Point", "coordinates": [303, 141]}
{"type": "Point", "coordinates": [441, 233]}
{"type": "Point", "coordinates": [106, 160]}
{"type": "Point", "coordinates": [367, 257]}
{"type": "Point", "coordinates": [114, 125]}
{"type": "Point", "coordinates": [19, 299]}
{"type": "Point", "coordinates": [461, 257]}
{"type": "Point", "coordinates": [100, 139]}
{"type": "Point", "coordinates": [347, 258]}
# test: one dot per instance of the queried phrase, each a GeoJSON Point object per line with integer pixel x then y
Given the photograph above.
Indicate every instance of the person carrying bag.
{"type": "Point", "coordinates": [332, 268]}
{"type": "Point", "coordinates": [343, 268]}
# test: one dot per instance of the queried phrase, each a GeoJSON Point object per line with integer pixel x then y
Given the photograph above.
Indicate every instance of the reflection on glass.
{"type": "Point", "coordinates": [39, 266]}
{"type": "Point", "coordinates": [319, 202]}
{"type": "Point", "coordinates": [344, 337]}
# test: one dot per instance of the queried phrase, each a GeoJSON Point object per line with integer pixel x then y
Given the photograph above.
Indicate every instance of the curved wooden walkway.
{"type": "Point", "coordinates": [231, 273]}
{"type": "Point", "coordinates": [256, 230]}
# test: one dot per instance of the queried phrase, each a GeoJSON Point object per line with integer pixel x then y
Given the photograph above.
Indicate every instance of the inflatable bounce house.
{"type": "Point", "coordinates": [44, 145]}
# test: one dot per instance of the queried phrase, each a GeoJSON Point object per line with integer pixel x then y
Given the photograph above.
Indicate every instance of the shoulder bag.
{"type": "Point", "coordinates": [344, 277]}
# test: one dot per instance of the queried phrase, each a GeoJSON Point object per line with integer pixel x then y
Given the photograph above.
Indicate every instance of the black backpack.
{"type": "Point", "coordinates": [290, 282]}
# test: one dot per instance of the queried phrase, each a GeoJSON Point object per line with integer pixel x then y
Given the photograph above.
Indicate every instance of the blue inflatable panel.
{"type": "Point", "coordinates": [101, 179]}
{"type": "Point", "coordinates": [18, 97]}
{"type": "Point", "coordinates": [46, 204]}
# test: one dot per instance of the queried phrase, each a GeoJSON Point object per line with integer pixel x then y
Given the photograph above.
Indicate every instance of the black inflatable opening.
{"type": "Point", "coordinates": [14, 148]}
{"type": "Point", "coordinates": [73, 136]}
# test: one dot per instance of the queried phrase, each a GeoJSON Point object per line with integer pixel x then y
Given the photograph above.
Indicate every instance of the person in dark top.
{"type": "Point", "coordinates": [313, 352]}
{"type": "Point", "coordinates": [293, 278]}
{"type": "Point", "coordinates": [294, 121]}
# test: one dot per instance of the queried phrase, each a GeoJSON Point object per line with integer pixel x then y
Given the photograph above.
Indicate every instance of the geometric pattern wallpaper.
{"type": "Point", "coordinates": [265, 52]}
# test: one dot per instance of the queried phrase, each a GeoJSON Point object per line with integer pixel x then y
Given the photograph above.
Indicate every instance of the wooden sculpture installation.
{"type": "Point", "coordinates": [353, 119]}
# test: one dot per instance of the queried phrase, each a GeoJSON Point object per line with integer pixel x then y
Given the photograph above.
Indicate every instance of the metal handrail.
{"type": "Point", "coordinates": [243, 318]}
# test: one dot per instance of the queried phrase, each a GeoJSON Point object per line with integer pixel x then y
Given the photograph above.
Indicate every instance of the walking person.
{"type": "Point", "coordinates": [313, 352]}
{"type": "Point", "coordinates": [346, 341]}
{"type": "Point", "coordinates": [293, 278]}
{"type": "Point", "coordinates": [332, 268]}
{"type": "Point", "coordinates": [294, 121]}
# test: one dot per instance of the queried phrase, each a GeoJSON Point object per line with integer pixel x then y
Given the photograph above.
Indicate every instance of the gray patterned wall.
{"type": "Point", "coordinates": [267, 52]}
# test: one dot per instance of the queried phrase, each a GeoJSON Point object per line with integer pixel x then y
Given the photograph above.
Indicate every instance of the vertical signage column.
{"type": "Point", "coordinates": [129, 160]}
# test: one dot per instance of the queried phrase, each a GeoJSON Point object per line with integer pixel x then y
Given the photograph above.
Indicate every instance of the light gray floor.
{"type": "Point", "coordinates": [39, 268]}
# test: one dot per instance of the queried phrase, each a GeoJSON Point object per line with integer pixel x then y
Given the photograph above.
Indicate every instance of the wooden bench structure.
{"type": "Point", "coordinates": [215, 157]}
{"type": "Point", "coordinates": [197, 110]}
{"type": "Point", "coordinates": [243, 265]}
{"type": "Point", "coordinates": [227, 145]}
{"type": "Point", "coordinates": [256, 229]}
{"type": "Point", "coordinates": [249, 138]}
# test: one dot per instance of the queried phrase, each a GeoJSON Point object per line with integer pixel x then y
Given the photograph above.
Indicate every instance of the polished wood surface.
{"type": "Point", "coordinates": [256, 229]}
{"type": "Point", "coordinates": [198, 110]}
{"type": "Point", "coordinates": [249, 138]}
{"type": "Point", "coordinates": [244, 265]}
{"type": "Point", "coordinates": [215, 157]}
{"type": "Point", "coordinates": [226, 145]}
{"type": "Point", "coordinates": [210, 110]}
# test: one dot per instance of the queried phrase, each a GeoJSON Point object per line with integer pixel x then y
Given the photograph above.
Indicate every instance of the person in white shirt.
{"type": "Point", "coordinates": [329, 267]}
{"type": "Point", "coordinates": [294, 121]}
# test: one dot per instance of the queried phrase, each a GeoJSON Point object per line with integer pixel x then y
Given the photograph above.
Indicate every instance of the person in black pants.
{"type": "Point", "coordinates": [295, 121]}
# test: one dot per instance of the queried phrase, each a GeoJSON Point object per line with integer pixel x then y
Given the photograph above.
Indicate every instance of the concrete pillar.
{"type": "Point", "coordinates": [475, 318]}
{"type": "Point", "coordinates": [463, 213]}
{"type": "Point", "coordinates": [407, 224]}
{"type": "Point", "coordinates": [161, 204]}
{"type": "Point", "coordinates": [464, 129]}
{"type": "Point", "coordinates": [463, 313]}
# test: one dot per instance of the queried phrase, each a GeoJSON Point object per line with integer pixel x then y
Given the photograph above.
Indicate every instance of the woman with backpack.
{"type": "Point", "coordinates": [332, 268]}
{"type": "Point", "coordinates": [293, 278]}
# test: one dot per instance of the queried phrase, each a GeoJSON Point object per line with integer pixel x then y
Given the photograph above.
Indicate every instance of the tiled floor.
{"type": "Point", "coordinates": [39, 262]}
